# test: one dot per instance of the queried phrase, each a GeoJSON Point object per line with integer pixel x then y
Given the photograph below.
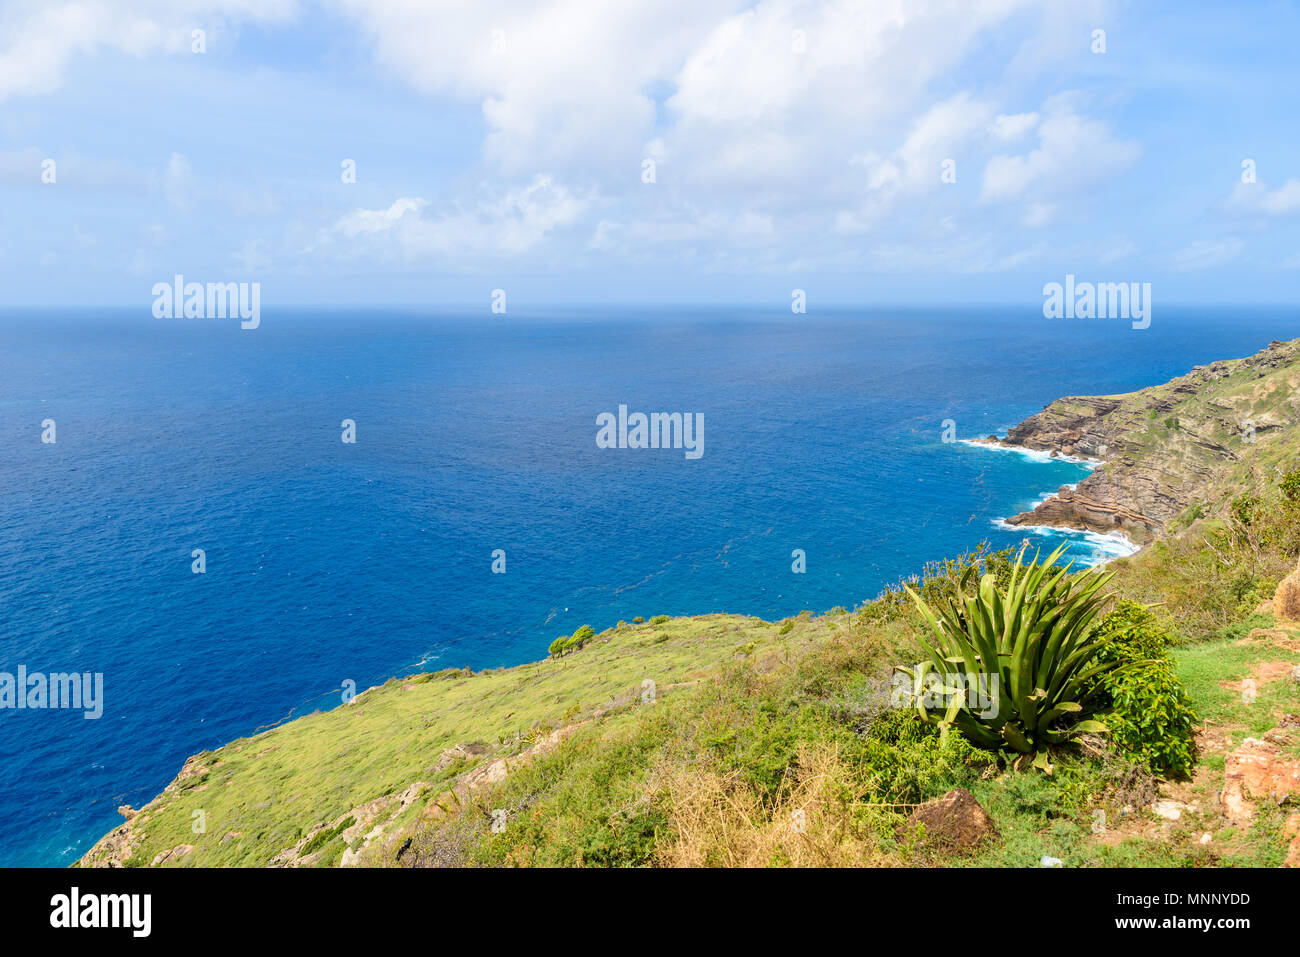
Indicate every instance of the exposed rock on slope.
{"type": "Point", "coordinates": [1170, 447]}
{"type": "Point", "coordinates": [954, 820]}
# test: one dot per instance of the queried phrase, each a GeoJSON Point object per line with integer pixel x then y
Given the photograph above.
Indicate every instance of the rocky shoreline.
{"type": "Point", "coordinates": [1160, 450]}
{"type": "Point", "coordinates": [1092, 506]}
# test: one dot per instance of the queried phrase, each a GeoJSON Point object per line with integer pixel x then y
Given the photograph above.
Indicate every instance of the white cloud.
{"type": "Point", "coordinates": [749, 113]}
{"type": "Point", "coordinates": [179, 184]}
{"type": "Point", "coordinates": [508, 224]}
{"type": "Point", "coordinates": [1012, 126]}
{"type": "Point", "coordinates": [252, 257]}
{"type": "Point", "coordinates": [1207, 254]}
{"type": "Point", "coordinates": [584, 87]}
{"type": "Point", "coordinates": [940, 136]}
{"type": "Point", "coordinates": [764, 147]}
{"type": "Point", "coordinates": [1257, 198]}
{"type": "Point", "coordinates": [365, 221]}
{"type": "Point", "coordinates": [1073, 152]}
{"type": "Point", "coordinates": [1284, 200]}
{"type": "Point", "coordinates": [935, 137]}
{"type": "Point", "coordinates": [561, 83]}
{"type": "Point", "coordinates": [44, 35]}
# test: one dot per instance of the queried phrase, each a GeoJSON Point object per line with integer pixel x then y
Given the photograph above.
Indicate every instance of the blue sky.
{"type": "Point", "coordinates": [502, 145]}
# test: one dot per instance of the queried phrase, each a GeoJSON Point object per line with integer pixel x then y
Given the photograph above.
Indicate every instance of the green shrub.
{"type": "Point", "coordinates": [1131, 632]}
{"type": "Point", "coordinates": [638, 620]}
{"type": "Point", "coordinates": [659, 619]}
{"type": "Point", "coordinates": [1253, 592]}
{"type": "Point", "coordinates": [938, 580]}
{"type": "Point", "coordinates": [909, 762]}
{"type": "Point", "coordinates": [1152, 718]}
{"type": "Point", "coordinates": [786, 627]}
{"type": "Point", "coordinates": [626, 838]}
{"type": "Point", "coordinates": [567, 643]}
{"type": "Point", "coordinates": [1187, 517]}
{"type": "Point", "coordinates": [1240, 629]}
{"type": "Point", "coordinates": [1148, 712]}
{"type": "Point", "coordinates": [447, 673]}
{"type": "Point", "coordinates": [1290, 486]}
{"type": "Point", "coordinates": [1243, 508]}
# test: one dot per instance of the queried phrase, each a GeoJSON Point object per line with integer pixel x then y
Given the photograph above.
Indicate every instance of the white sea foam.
{"type": "Point", "coordinates": [425, 658]}
{"type": "Point", "coordinates": [1106, 546]}
{"type": "Point", "coordinates": [1034, 455]}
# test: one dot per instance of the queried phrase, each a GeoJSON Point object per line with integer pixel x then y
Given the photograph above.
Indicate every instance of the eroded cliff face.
{"type": "Point", "coordinates": [1169, 447]}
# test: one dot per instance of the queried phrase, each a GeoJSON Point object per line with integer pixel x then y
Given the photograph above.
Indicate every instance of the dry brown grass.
{"type": "Point", "coordinates": [1286, 601]}
{"type": "Point", "coordinates": [719, 821]}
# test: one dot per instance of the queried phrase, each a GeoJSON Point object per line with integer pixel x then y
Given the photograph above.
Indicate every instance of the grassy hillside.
{"type": "Point", "coordinates": [751, 722]}
{"type": "Point", "coordinates": [261, 795]}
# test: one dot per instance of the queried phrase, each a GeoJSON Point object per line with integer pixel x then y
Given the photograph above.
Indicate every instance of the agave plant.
{"type": "Point", "coordinates": [1025, 647]}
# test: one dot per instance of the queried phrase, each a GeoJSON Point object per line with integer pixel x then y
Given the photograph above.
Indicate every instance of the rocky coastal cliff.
{"type": "Point", "coordinates": [1166, 449]}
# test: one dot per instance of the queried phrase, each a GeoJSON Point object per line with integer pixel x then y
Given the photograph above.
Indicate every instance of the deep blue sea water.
{"type": "Point", "coordinates": [329, 562]}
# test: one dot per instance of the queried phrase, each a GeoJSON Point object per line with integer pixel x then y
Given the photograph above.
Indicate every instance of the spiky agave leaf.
{"type": "Point", "coordinates": [1034, 637]}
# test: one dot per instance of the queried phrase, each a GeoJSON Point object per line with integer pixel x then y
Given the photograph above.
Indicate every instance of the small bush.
{"type": "Point", "coordinates": [627, 838]}
{"type": "Point", "coordinates": [567, 643]}
{"type": "Point", "coordinates": [909, 763]}
{"type": "Point", "coordinates": [1290, 486]}
{"type": "Point", "coordinates": [1148, 712]}
{"type": "Point", "coordinates": [938, 579]}
{"type": "Point", "coordinates": [659, 619]}
{"type": "Point", "coordinates": [1240, 629]}
{"type": "Point", "coordinates": [1131, 632]}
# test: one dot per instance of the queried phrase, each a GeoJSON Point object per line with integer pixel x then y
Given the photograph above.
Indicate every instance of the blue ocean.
{"type": "Point", "coordinates": [330, 562]}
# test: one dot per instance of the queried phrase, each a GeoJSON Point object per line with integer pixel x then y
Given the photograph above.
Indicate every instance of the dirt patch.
{"type": "Point", "coordinates": [1285, 637]}
{"type": "Point", "coordinates": [1263, 673]}
{"type": "Point", "coordinates": [955, 820]}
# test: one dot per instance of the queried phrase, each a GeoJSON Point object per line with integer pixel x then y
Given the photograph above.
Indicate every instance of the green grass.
{"type": "Point", "coordinates": [1205, 669]}
{"type": "Point", "coordinates": [739, 698]}
{"type": "Point", "coordinates": [271, 789]}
